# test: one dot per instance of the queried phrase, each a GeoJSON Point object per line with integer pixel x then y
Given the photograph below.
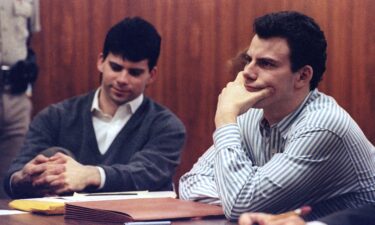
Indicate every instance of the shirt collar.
{"type": "Point", "coordinates": [284, 125]}
{"type": "Point", "coordinates": [133, 105]}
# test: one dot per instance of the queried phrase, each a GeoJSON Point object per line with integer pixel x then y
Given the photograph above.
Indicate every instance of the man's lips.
{"type": "Point", "coordinates": [252, 89]}
{"type": "Point", "coordinates": [120, 91]}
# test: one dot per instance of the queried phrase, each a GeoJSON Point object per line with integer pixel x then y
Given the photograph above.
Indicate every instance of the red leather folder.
{"type": "Point", "coordinates": [139, 210]}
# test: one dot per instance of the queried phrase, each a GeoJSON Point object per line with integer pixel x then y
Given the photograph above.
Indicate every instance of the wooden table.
{"type": "Point", "coordinates": [34, 219]}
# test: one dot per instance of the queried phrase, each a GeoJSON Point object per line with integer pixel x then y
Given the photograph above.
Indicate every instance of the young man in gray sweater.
{"type": "Point", "coordinates": [117, 138]}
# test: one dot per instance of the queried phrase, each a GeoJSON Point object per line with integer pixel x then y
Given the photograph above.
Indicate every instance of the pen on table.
{"type": "Point", "coordinates": [106, 194]}
{"type": "Point", "coordinates": [165, 222]}
{"type": "Point", "coordinates": [304, 210]}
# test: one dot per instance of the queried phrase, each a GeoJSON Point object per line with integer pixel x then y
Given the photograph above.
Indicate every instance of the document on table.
{"type": "Point", "coordinates": [98, 196]}
{"type": "Point", "coordinates": [4, 212]}
{"type": "Point", "coordinates": [139, 210]}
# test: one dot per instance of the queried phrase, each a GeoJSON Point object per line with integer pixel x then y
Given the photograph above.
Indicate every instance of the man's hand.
{"type": "Point", "coordinates": [268, 219]}
{"type": "Point", "coordinates": [73, 177]}
{"type": "Point", "coordinates": [59, 174]}
{"type": "Point", "coordinates": [22, 181]}
{"type": "Point", "coordinates": [235, 100]}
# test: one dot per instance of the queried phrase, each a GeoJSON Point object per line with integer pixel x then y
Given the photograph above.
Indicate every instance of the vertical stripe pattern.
{"type": "Point", "coordinates": [317, 156]}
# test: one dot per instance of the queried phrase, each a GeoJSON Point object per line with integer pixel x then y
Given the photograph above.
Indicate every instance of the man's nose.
{"type": "Point", "coordinates": [123, 77]}
{"type": "Point", "coordinates": [250, 71]}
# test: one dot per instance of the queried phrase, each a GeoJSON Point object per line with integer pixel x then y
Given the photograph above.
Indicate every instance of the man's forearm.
{"type": "Point", "coordinates": [198, 184]}
{"type": "Point", "coordinates": [231, 165]}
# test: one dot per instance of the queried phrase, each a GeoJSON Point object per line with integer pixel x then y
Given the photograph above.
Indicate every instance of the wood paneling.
{"type": "Point", "coordinates": [199, 36]}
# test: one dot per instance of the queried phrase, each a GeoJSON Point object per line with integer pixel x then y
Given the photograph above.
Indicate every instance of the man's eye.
{"type": "Point", "coordinates": [135, 72]}
{"type": "Point", "coordinates": [266, 64]}
{"type": "Point", "coordinates": [115, 67]}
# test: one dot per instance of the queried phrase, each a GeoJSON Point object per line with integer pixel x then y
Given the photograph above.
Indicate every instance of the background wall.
{"type": "Point", "coordinates": [199, 36]}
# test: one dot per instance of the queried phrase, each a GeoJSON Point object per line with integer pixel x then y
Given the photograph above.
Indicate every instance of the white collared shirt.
{"type": "Point", "coordinates": [107, 127]}
{"type": "Point", "coordinates": [315, 223]}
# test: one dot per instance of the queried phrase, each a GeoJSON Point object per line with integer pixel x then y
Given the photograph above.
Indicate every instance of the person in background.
{"type": "Point", "coordinates": [111, 139]}
{"type": "Point", "coordinates": [364, 215]}
{"type": "Point", "coordinates": [279, 142]}
{"type": "Point", "coordinates": [237, 63]}
{"type": "Point", "coordinates": [17, 70]}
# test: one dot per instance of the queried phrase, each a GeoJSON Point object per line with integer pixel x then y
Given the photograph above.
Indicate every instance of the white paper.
{"type": "Point", "coordinates": [82, 197]}
{"type": "Point", "coordinates": [10, 212]}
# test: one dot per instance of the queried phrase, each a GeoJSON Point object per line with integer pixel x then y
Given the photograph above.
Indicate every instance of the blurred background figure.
{"type": "Point", "coordinates": [237, 63]}
{"type": "Point", "coordinates": [18, 18]}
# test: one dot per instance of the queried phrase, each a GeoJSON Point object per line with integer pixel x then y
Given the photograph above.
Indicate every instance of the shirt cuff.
{"type": "Point", "coordinates": [10, 184]}
{"type": "Point", "coordinates": [227, 136]}
{"type": "Point", "coordinates": [315, 223]}
{"type": "Point", "coordinates": [102, 177]}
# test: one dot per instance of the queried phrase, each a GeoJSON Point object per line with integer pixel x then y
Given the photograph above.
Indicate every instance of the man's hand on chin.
{"type": "Point", "coordinates": [235, 100]}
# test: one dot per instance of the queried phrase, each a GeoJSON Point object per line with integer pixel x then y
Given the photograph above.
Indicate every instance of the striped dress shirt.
{"type": "Point", "coordinates": [315, 156]}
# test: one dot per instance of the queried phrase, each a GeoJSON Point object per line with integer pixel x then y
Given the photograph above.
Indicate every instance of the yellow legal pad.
{"type": "Point", "coordinates": [35, 206]}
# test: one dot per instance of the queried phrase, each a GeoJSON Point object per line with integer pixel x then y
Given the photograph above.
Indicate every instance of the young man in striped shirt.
{"type": "Point", "coordinates": [279, 142]}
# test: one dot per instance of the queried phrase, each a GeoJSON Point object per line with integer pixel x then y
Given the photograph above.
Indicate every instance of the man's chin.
{"type": "Point", "coordinates": [120, 101]}
{"type": "Point", "coordinates": [260, 104]}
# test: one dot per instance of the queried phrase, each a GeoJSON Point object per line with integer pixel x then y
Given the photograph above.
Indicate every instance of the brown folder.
{"type": "Point", "coordinates": [139, 210]}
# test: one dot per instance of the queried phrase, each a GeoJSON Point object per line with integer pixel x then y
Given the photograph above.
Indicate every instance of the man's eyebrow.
{"type": "Point", "coordinates": [136, 69]}
{"type": "Point", "coordinates": [113, 62]}
{"type": "Point", "coordinates": [268, 59]}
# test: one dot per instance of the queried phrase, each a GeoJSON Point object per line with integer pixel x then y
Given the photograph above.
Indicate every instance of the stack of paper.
{"type": "Point", "coordinates": [139, 210]}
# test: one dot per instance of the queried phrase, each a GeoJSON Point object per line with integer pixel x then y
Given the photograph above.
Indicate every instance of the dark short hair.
{"type": "Point", "coordinates": [133, 39]}
{"type": "Point", "coordinates": [305, 39]}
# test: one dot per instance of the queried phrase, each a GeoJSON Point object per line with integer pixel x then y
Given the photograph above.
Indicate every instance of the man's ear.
{"type": "Point", "coordinates": [100, 62]}
{"type": "Point", "coordinates": [303, 77]}
{"type": "Point", "coordinates": [152, 77]}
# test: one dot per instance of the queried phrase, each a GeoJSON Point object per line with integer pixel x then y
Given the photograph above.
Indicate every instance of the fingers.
{"type": "Point", "coordinates": [305, 210]}
{"type": "Point", "coordinates": [38, 165]}
{"type": "Point", "coordinates": [52, 173]}
{"type": "Point", "coordinates": [291, 220]}
{"type": "Point", "coordinates": [39, 159]}
{"type": "Point", "coordinates": [44, 181]}
{"type": "Point", "coordinates": [34, 167]}
{"type": "Point", "coordinates": [63, 190]}
{"type": "Point", "coordinates": [56, 159]}
{"type": "Point", "coordinates": [55, 190]}
{"type": "Point", "coordinates": [263, 93]}
{"type": "Point", "coordinates": [245, 219]}
{"type": "Point", "coordinates": [56, 184]}
{"type": "Point", "coordinates": [59, 157]}
{"type": "Point", "coordinates": [254, 218]}
{"type": "Point", "coordinates": [268, 219]}
{"type": "Point", "coordinates": [41, 163]}
{"type": "Point", "coordinates": [240, 78]}
{"type": "Point", "coordinates": [63, 185]}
